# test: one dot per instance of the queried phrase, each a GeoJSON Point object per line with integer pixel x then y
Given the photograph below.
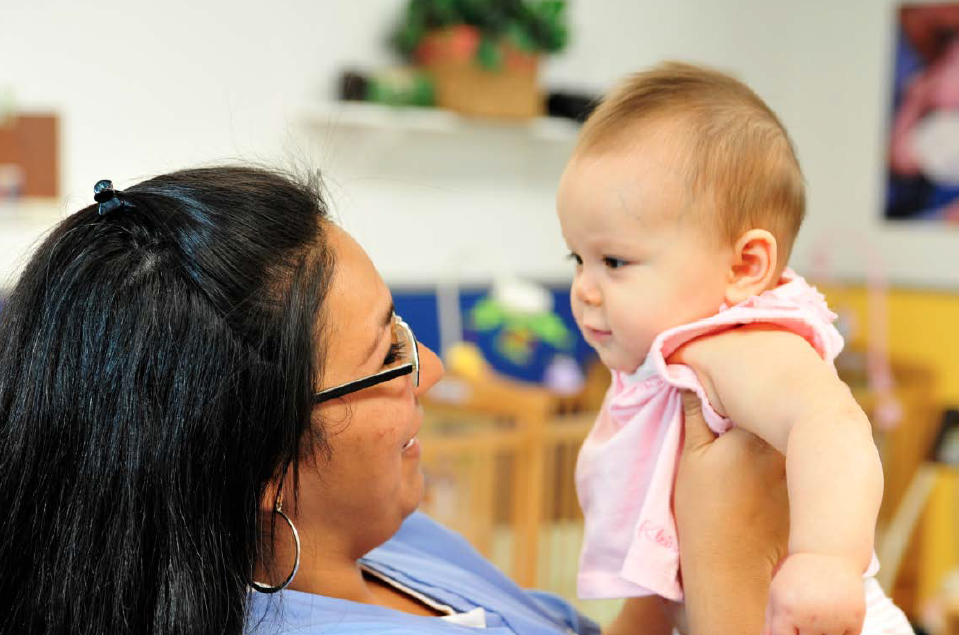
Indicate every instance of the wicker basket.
{"type": "Point", "coordinates": [512, 91]}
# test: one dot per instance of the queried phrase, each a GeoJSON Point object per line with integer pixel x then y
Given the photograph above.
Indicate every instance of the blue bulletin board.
{"type": "Point", "coordinates": [419, 308]}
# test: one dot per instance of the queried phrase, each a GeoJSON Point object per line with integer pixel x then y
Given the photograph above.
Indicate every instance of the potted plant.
{"type": "Point", "coordinates": [483, 54]}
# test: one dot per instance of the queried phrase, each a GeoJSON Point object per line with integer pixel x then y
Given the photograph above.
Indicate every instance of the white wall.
{"type": "Point", "coordinates": [148, 87]}
{"type": "Point", "coordinates": [145, 87]}
{"type": "Point", "coordinates": [837, 105]}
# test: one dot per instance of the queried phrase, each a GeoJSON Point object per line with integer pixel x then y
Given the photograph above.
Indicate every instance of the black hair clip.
{"type": "Point", "coordinates": [109, 198]}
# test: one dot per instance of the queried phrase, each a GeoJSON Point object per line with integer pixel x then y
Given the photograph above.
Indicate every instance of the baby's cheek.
{"type": "Point", "coordinates": [577, 310]}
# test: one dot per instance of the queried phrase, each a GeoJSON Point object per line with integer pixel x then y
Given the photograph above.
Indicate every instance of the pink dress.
{"type": "Point", "coordinates": [627, 465]}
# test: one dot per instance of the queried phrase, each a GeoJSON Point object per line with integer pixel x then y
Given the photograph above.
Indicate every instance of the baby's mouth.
{"type": "Point", "coordinates": [597, 333]}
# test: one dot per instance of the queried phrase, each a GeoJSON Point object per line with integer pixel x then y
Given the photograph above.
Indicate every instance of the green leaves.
{"type": "Point", "coordinates": [549, 23]}
{"type": "Point", "coordinates": [489, 55]}
{"type": "Point", "coordinates": [531, 26]}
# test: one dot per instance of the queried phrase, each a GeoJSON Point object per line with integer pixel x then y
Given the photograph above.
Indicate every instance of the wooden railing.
{"type": "Point", "coordinates": [499, 465]}
{"type": "Point", "coordinates": [500, 456]}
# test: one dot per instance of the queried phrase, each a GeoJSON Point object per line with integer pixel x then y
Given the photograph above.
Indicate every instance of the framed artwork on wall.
{"type": "Point", "coordinates": [923, 160]}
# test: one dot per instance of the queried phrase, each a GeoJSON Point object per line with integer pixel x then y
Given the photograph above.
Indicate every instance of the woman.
{"type": "Point", "coordinates": [204, 391]}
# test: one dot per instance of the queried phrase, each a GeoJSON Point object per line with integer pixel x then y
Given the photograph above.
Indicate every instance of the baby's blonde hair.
{"type": "Point", "coordinates": [738, 157]}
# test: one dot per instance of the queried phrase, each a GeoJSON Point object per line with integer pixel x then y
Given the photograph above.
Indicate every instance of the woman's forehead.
{"type": "Point", "coordinates": [357, 300]}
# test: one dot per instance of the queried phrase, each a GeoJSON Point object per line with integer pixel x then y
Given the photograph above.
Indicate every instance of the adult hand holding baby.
{"type": "Point", "coordinates": [750, 501]}
{"type": "Point", "coordinates": [834, 603]}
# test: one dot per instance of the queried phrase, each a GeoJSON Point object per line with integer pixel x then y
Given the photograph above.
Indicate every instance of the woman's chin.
{"type": "Point", "coordinates": [417, 492]}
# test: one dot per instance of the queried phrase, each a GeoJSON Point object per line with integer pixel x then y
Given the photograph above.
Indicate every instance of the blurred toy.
{"type": "Point", "coordinates": [522, 313]}
{"type": "Point", "coordinates": [564, 376]}
{"type": "Point", "coordinates": [465, 360]}
{"type": "Point", "coordinates": [391, 86]}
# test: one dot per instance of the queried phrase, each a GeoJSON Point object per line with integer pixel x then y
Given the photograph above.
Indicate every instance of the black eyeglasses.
{"type": "Point", "coordinates": [408, 362]}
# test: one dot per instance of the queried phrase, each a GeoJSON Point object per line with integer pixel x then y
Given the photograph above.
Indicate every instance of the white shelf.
{"type": "Point", "coordinates": [435, 195]}
{"type": "Point", "coordinates": [370, 116]}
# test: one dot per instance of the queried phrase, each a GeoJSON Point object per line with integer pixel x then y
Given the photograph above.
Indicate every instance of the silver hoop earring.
{"type": "Point", "coordinates": [266, 588]}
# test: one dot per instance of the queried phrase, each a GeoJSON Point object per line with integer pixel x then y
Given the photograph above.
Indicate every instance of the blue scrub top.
{"type": "Point", "coordinates": [438, 563]}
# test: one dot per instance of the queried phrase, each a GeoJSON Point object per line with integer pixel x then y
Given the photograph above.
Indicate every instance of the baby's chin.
{"type": "Point", "coordinates": [620, 363]}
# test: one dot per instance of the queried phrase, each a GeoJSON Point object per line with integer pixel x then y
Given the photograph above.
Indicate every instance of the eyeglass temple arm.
{"type": "Point", "coordinates": [360, 384]}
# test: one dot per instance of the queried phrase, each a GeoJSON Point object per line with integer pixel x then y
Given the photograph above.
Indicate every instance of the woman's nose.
{"type": "Point", "coordinates": [431, 369]}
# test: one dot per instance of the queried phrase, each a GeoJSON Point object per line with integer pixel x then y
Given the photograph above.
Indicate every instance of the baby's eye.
{"type": "Point", "coordinates": [614, 263]}
{"type": "Point", "coordinates": [575, 258]}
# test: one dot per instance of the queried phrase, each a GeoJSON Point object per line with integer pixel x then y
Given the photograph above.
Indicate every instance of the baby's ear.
{"type": "Point", "coordinates": [754, 266]}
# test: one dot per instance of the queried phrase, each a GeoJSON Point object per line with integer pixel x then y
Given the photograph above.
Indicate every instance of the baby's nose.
{"type": "Point", "coordinates": [585, 290]}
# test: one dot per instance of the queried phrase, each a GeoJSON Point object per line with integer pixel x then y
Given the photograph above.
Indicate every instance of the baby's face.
{"type": "Point", "coordinates": [643, 261]}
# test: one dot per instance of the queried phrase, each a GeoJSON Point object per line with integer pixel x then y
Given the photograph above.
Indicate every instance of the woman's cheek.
{"type": "Point", "coordinates": [387, 435]}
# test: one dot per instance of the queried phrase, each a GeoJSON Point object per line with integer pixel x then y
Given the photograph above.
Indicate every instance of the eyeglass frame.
{"type": "Point", "coordinates": [407, 368]}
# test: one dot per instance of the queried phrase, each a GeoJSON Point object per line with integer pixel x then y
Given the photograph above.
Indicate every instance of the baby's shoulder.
{"type": "Point", "coordinates": [737, 345]}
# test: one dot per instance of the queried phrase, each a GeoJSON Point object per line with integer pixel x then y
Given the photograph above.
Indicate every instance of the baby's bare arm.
{"type": "Point", "coordinates": [773, 383]}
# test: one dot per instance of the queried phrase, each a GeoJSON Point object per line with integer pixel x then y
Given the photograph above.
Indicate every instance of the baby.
{"type": "Point", "coordinates": [679, 207]}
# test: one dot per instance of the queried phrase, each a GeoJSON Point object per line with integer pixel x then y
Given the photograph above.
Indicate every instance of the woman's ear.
{"type": "Point", "coordinates": [270, 492]}
{"type": "Point", "coordinates": [754, 266]}
{"type": "Point", "coordinates": [269, 496]}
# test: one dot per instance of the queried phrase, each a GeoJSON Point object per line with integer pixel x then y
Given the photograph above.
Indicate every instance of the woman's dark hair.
{"type": "Point", "coordinates": [157, 366]}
